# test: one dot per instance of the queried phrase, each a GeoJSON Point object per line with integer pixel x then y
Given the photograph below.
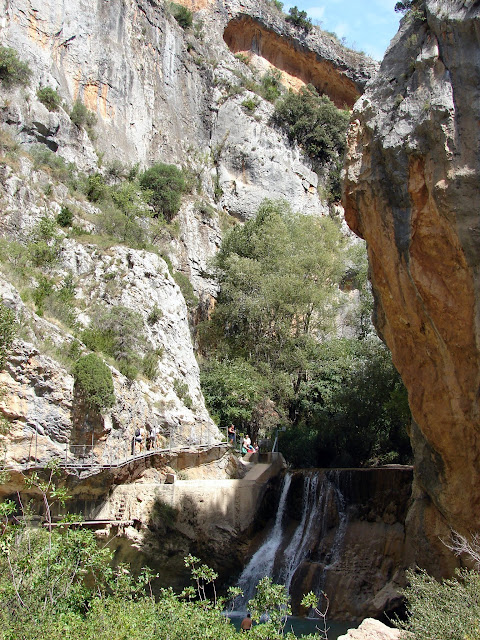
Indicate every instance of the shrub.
{"type": "Point", "coordinates": [154, 316]}
{"type": "Point", "coordinates": [314, 122]}
{"type": "Point", "coordinates": [250, 104]}
{"type": "Point", "coordinates": [150, 364]}
{"type": "Point", "coordinates": [12, 70]}
{"type": "Point", "coordinates": [49, 97]}
{"type": "Point", "coordinates": [181, 389]}
{"type": "Point", "coordinates": [445, 610]}
{"type": "Point", "coordinates": [118, 333]}
{"type": "Point", "coordinates": [243, 58]}
{"type": "Point", "coordinates": [94, 381]}
{"type": "Point", "coordinates": [95, 188]}
{"type": "Point", "coordinates": [164, 185]}
{"type": "Point", "coordinates": [299, 19]}
{"type": "Point", "coordinates": [270, 85]}
{"type": "Point", "coordinates": [7, 332]}
{"type": "Point", "coordinates": [44, 248]}
{"type": "Point", "coordinates": [65, 217]}
{"type": "Point", "coordinates": [44, 158]}
{"type": "Point", "coordinates": [83, 117]}
{"type": "Point", "coordinates": [186, 288]}
{"type": "Point", "coordinates": [277, 4]}
{"type": "Point", "coordinates": [182, 15]}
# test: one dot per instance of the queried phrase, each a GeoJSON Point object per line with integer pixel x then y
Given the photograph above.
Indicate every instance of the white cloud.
{"type": "Point", "coordinates": [342, 29]}
{"type": "Point", "coordinates": [316, 12]}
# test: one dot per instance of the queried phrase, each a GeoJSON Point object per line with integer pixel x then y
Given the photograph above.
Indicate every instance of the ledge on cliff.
{"type": "Point", "coordinates": [300, 64]}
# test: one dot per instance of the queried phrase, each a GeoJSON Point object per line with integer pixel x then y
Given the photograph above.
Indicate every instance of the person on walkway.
{"type": "Point", "coordinates": [246, 623]}
{"type": "Point", "coordinates": [139, 438]}
{"type": "Point", "coordinates": [231, 435]}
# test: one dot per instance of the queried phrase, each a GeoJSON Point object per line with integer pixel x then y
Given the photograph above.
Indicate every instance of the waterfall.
{"type": "Point", "coordinates": [262, 562]}
{"type": "Point", "coordinates": [281, 556]}
{"type": "Point", "coordinates": [319, 491]}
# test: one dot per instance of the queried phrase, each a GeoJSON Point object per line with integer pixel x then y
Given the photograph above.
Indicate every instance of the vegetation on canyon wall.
{"type": "Point", "coordinates": [61, 581]}
{"type": "Point", "coordinates": [271, 355]}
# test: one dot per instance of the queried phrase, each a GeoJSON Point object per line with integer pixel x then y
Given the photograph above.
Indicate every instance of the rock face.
{"type": "Point", "coordinates": [159, 93]}
{"type": "Point", "coordinates": [411, 190]}
{"type": "Point", "coordinates": [371, 629]}
{"type": "Point", "coordinates": [340, 531]}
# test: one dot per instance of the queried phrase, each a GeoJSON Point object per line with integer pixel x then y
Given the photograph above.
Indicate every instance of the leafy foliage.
{"type": "Point", "coordinates": [299, 19]}
{"type": "Point", "coordinates": [44, 248]}
{"type": "Point", "coordinates": [182, 15]}
{"type": "Point", "coordinates": [118, 332]}
{"type": "Point", "coordinates": [12, 70]}
{"type": "Point", "coordinates": [315, 123]}
{"type": "Point", "coordinates": [412, 8]}
{"type": "Point", "coordinates": [65, 217]}
{"type": "Point", "coordinates": [7, 332]}
{"type": "Point", "coordinates": [83, 117]}
{"type": "Point", "coordinates": [352, 408]}
{"type": "Point", "coordinates": [443, 610]}
{"type": "Point", "coordinates": [232, 390]}
{"type": "Point", "coordinates": [269, 354]}
{"type": "Point", "coordinates": [94, 380]}
{"type": "Point", "coordinates": [60, 585]}
{"type": "Point", "coordinates": [49, 97]}
{"type": "Point", "coordinates": [164, 185]}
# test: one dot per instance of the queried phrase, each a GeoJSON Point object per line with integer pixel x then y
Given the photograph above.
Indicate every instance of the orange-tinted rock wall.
{"type": "Point", "coordinates": [299, 66]}
{"type": "Point", "coordinates": [412, 191]}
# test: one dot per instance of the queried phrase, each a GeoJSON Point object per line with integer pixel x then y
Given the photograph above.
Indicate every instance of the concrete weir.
{"type": "Point", "coordinates": [227, 504]}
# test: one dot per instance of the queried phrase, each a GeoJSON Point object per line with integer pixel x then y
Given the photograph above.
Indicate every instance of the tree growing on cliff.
{"type": "Point", "coordinates": [164, 185]}
{"type": "Point", "coordinates": [93, 380]}
{"type": "Point", "coordinates": [317, 125]}
{"type": "Point", "coordinates": [12, 70]}
{"type": "Point", "coordinates": [299, 19]}
{"type": "Point", "coordinates": [7, 332]}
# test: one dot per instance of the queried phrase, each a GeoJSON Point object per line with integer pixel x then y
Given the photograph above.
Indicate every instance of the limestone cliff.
{"type": "Point", "coordinates": [411, 190]}
{"type": "Point", "coordinates": [160, 93]}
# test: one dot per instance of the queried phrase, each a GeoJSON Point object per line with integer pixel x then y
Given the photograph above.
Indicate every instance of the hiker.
{"type": "Point", "coordinates": [138, 439]}
{"type": "Point", "coordinates": [231, 435]}
{"type": "Point", "coordinates": [246, 623]}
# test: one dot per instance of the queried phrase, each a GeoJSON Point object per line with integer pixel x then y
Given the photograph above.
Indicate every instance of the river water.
{"type": "Point", "coordinates": [304, 626]}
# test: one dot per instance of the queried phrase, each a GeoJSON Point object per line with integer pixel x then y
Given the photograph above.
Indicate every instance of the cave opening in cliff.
{"type": "Point", "coordinates": [266, 49]}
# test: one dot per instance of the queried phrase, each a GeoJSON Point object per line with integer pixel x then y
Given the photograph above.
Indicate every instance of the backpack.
{"type": "Point", "coordinates": [137, 432]}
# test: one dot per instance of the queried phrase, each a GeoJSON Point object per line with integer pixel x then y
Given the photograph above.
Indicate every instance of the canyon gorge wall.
{"type": "Point", "coordinates": [412, 192]}
{"type": "Point", "coordinates": [160, 93]}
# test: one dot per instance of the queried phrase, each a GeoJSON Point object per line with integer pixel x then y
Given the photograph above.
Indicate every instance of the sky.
{"type": "Point", "coordinates": [367, 25]}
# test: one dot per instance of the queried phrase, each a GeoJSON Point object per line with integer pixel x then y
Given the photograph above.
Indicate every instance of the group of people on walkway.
{"type": "Point", "coordinates": [247, 445]}
{"type": "Point", "coordinates": [147, 438]}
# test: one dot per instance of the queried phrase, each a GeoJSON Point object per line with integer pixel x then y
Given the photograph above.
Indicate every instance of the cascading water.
{"type": "Point", "coordinates": [262, 562]}
{"type": "Point", "coordinates": [283, 551]}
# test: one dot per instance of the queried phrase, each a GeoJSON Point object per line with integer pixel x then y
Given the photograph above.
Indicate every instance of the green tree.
{"type": "Point", "coordinates": [278, 275]}
{"type": "Point", "coordinates": [315, 123]}
{"type": "Point", "coordinates": [7, 332]}
{"type": "Point", "coordinates": [299, 19]}
{"type": "Point", "coordinates": [12, 70]}
{"type": "Point", "coordinates": [232, 390]}
{"type": "Point", "coordinates": [164, 185]}
{"type": "Point", "coordinates": [49, 97]}
{"type": "Point", "coordinates": [182, 15]}
{"type": "Point", "coordinates": [94, 381]}
{"type": "Point", "coordinates": [351, 409]}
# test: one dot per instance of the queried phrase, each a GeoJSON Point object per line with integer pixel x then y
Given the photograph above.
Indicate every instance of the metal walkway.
{"type": "Point", "coordinates": [91, 462]}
